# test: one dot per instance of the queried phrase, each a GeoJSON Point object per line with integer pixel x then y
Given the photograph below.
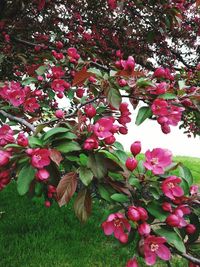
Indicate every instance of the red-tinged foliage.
{"type": "Point", "coordinates": [66, 188]}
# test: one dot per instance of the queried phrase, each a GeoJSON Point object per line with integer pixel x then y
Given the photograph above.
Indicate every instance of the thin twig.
{"type": "Point", "coordinates": [20, 120]}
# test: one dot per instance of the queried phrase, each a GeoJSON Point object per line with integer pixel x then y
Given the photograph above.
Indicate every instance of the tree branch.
{"type": "Point", "coordinates": [27, 42]}
{"type": "Point", "coordinates": [20, 120]}
{"type": "Point", "coordinates": [188, 257]}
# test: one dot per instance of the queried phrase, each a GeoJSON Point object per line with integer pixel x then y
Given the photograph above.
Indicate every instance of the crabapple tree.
{"type": "Point", "coordinates": [98, 58]}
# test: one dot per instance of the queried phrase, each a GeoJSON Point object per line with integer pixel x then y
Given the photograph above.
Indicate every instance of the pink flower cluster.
{"type": "Point", "coordinates": [152, 247]}
{"type": "Point", "coordinates": [167, 113]}
{"type": "Point", "coordinates": [40, 158]}
{"type": "Point", "coordinates": [158, 89]}
{"type": "Point", "coordinates": [163, 73]}
{"type": "Point", "coordinates": [128, 65]}
{"type": "Point", "coordinates": [104, 128]}
{"type": "Point", "coordinates": [15, 94]}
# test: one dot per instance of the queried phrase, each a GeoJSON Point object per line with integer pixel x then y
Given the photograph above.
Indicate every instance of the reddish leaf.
{"type": "Point", "coordinates": [56, 156]}
{"type": "Point", "coordinates": [127, 73]}
{"type": "Point", "coordinates": [66, 188]}
{"type": "Point", "coordinates": [83, 205]}
{"type": "Point", "coordinates": [41, 4]}
{"type": "Point", "coordinates": [120, 187]}
{"type": "Point", "coordinates": [197, 3]}
{"type": "Point", "coordinates": [81, 76]}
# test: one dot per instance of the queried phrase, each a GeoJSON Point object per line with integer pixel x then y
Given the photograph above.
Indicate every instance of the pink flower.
{"type": "Point", "coordinates": [158, 89]}
{"type": "Point", "coordinates": [57, 72]}
{"type": "Point", "coordinates": [157, 160]}
{"type": "Point", "coordinates": [42, 175]}
{"type": "Point", "coordinates": [159, 73]}
{"type": "Point", "coordinates": [132, 263]}
{"type": "Point", "coordinates": [16, 97]}
{"type": "Point", "coordinates": [194, 189]}
{"type": "Point", "coordinates": [170, 187]}
{"type": "Point", "coordinates": [137, 213]}
{"type": "Point", "coordinates": [144, 229]}
{"type": "Point", "coordinates": [22, 140]}
{"type": "Point", "coordinates": [128, 64]}
{"type": "Point", "coordinates": [4, 158]}
{"type": "Point", "coordinates": [6, 135]}
{"type": "Point", "coordinates": [40, 157]}
{"type": "Point", "coordinates": [31, 105]}
{"type": "Point", "coordinates": [117, 224]}
{"type": "Point", "coordinates": [91, 143]}
{"type": "Point", "coordinates": [103, 127]}
{"type": "Point", "coordinates": [153, 247]}
{"type": "Point", "coordinates": [59, 85]}
{"type": "Point", "coordinates": [160, 107]}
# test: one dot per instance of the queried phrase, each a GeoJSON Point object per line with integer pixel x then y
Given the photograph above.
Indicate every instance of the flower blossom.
{"type": "Point", "coordinates": [116, 223]}
{"type": "Point", "coordinates": [157, 160]}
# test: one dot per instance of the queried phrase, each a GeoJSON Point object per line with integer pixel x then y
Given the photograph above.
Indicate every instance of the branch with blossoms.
{"type": "Point", "coordinates": [72, 151]}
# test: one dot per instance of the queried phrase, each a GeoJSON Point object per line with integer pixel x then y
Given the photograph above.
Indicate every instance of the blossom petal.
{"type": "Point", "coordinates": [150, 258]}
{"type": "Point", "coordinates": [163, 252]}
{"type": "Point", "coordinates": [177, 191]}
{"type": "Point", "coordinates": [108, 228]}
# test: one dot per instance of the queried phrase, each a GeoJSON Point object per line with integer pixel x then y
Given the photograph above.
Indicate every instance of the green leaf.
{"type": "Point", "coordinates": [83, 159]}
{"type": "Point", "coordinates": [143, 82]}
{"type": "Point", "coordinates": [29, 80]}
{"type": "Point", "coordinates": [134, 182]}
{"type": "Point", "coordinates": [143, 114]}
{"type": "Point", "coordinates": [168, 96]}
{"type": "Point", "coordinates": [67, 135]}
{"type": "Point", "coordinates": [25, 177]}
{"type": "Point", "coordinates": [13, 146]}
{"type": "Point", "coordinates": [186, 174]}
{"type": "Point", "coordinates": [172, 238]}
{"type": "Point", "coordinates": [83, 205]}
{"type": "Point", "coordinates": [119, 198]}
{"type": "Point", "coordinates": [85, 175]}
{"type": "Point", "coordinates": [114, 97]}
{"type": "Point", "coordinates": [121, 155]}
{"type": "Point", "coordinates": [41, 70]}
{"type": "Point", "coordinates": [67, 147]}
{"type": "Point", "coordinates": [35, 142]}
{"type": "Point", "coordinates": [104, 193]}
{"type": "Point", "coordinates": [156, 210]}
{"type": "Point", "coordinates": [118, 146]}
{"type": "Point", "coordinates": [54, 131]}
{"type": "Point", "coordinates": [96, 163]}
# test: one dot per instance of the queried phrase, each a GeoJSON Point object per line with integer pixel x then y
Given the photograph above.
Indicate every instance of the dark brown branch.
{"type": "Point", "coordinates": [27, 42]}
{"type": "Point", "coordinates": [20, 120]}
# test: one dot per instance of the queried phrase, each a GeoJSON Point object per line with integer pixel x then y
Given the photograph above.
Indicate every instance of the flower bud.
{"type": "Point", "coordinates": [131, 164]}
{"type": "Point", "coordinates": [144, 229]}
{"type": "Point", "coordinates": [59, 114]}
{"type": "Point", "coordinates": [173, 220]}
{"type": "Point", "coordinates": [190, 229]}
{"type": "Point", "coordinates": [136, 148]}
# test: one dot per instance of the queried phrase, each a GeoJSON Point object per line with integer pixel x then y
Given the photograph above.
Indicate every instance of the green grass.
{"type": "Point", "coordinates": [34, 236]}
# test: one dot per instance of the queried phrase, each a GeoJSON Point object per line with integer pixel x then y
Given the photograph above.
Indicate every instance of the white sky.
{"type": "Point", "coordinates": [151, 136]}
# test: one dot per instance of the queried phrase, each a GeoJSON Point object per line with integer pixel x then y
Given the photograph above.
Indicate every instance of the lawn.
{"type": "Point", "coordinates": [34, 236]}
